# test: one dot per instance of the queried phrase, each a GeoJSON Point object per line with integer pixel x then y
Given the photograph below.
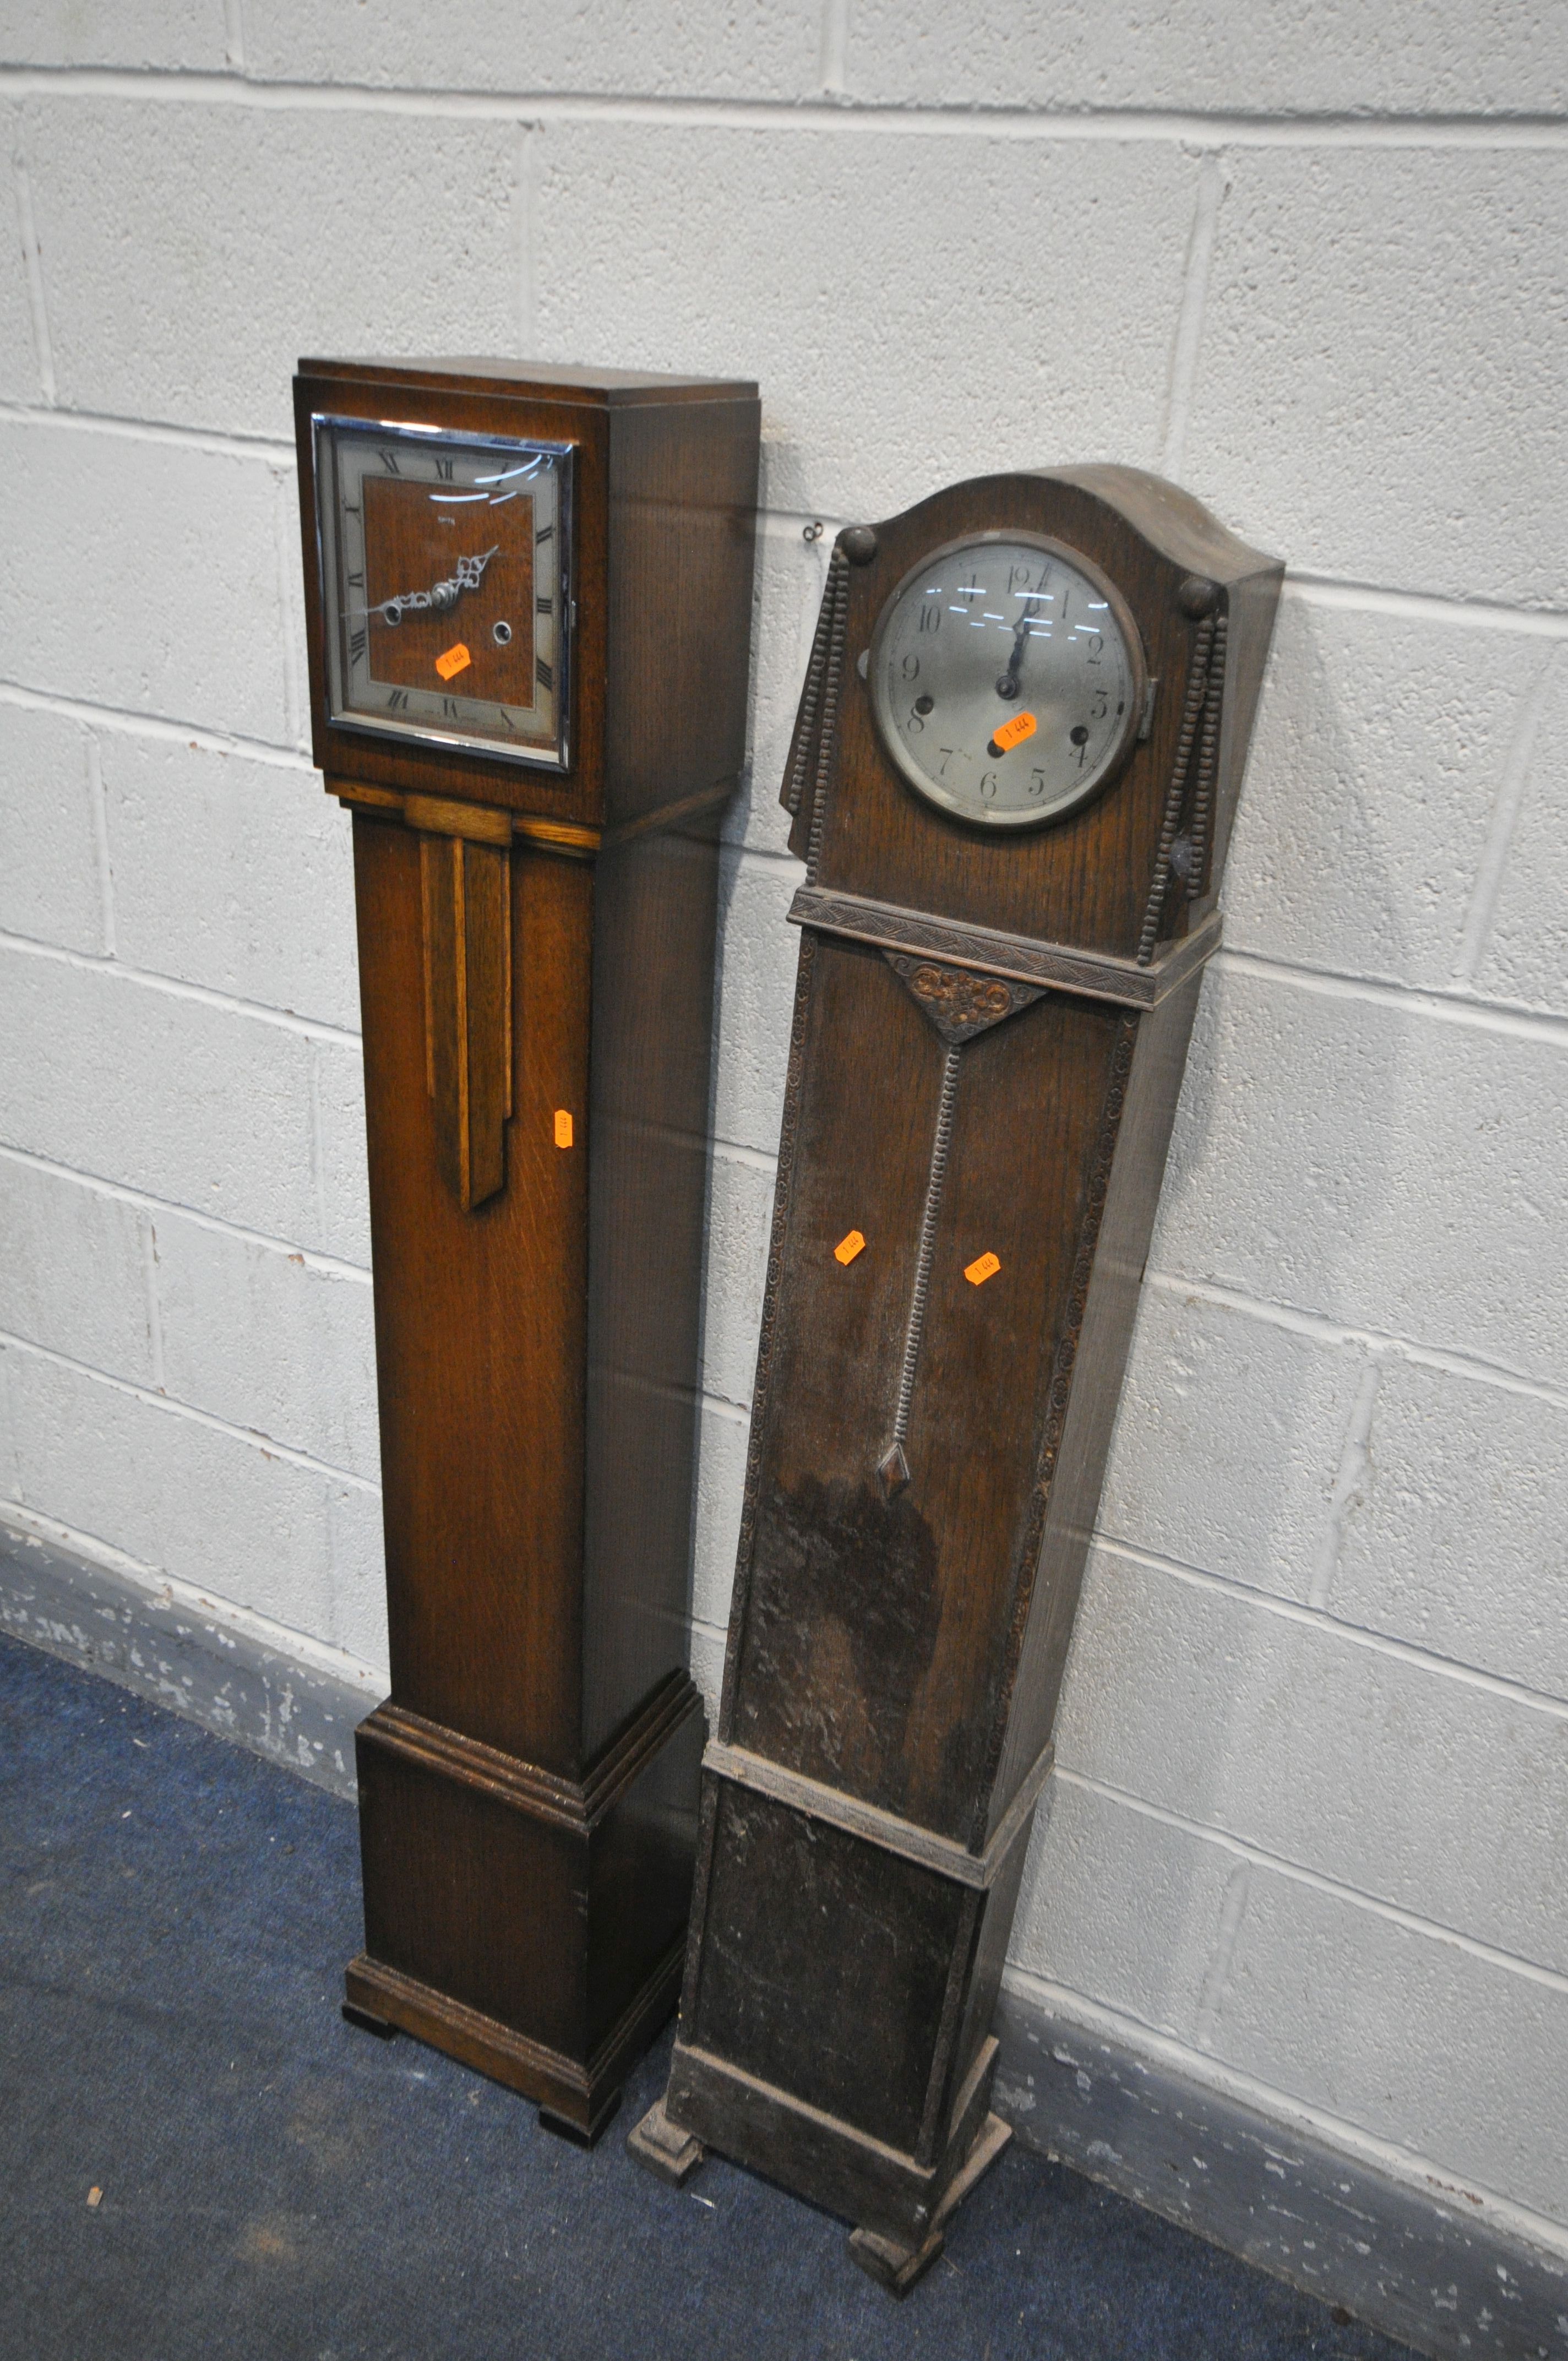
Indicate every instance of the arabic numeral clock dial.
{"type": "Point", "coordinates": [445, 585]}
{"type": "Point", "coordinates": [1007, 679]}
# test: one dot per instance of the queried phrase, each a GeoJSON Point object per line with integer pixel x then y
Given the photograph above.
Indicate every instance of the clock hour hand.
{"type": "Point", "coordinates": [441, 596]}
{"type": "Point", "coordinates": [1007, 685]}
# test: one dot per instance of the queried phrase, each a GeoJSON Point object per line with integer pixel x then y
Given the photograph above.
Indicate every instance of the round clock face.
{"type": "Point", "coordinates": [1007, 679]}
{"type": "Point", "coordinates": [445, 586]}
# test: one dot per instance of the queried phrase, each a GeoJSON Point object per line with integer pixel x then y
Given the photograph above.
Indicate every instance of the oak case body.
{"type": "Point", "coordinates": [989, 1036]}
{"type": "Point", "coordinates": [536, 969]}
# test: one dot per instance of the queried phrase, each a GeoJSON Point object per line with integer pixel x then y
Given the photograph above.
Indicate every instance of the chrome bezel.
{"type": "Point", "coordinates": [324, 425]}
{"type": "Point", "coordinates": [1114, 762]}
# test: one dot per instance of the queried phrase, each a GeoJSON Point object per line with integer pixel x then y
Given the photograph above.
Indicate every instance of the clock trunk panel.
{"type": "Point", "coordinates": [513, 1532]}
{"type": "Point", "coordinates": [875, 1622]}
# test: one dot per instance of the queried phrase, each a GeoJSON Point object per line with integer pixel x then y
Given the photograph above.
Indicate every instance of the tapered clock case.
{"type": "Point", "coordinates": [987, 1047]}
{"type": "Point", "coordinates": [536, 969]}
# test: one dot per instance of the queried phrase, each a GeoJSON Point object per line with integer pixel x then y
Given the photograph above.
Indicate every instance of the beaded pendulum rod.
{"type": "Point", "coordinates": [894, 1467]}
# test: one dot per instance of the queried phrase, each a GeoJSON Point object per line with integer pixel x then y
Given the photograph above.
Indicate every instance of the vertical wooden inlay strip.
{"type": "Point", "coordinates": [894, 1467]}
{"type": "Point", "coordinates": [460, 1013]}
{"type": "Point", "coordinates": [427, 889]}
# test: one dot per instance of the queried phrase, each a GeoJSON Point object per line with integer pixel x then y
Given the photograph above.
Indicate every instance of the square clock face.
{"type": "Point", "coordinates": [445, 585]}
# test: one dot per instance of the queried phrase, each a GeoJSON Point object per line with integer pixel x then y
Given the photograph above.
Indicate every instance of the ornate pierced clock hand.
{"type": "Point", "coordinates": [1007, 685]}
{"type": "Point", "coordinates": [441, 596]}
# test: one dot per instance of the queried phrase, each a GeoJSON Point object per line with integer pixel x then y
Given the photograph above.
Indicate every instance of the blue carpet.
{"type": "Point", "coordinates": [175, 1919]}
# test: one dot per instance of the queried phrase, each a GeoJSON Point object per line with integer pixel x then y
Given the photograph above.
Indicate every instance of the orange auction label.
{"type": "Point", "coordinates": [562, 1129]}
{"type": "Point", "coordinates": [457, 659]}
{"type": "Point", "coordinates": [1013, 732]}
{"type": "Point", "coordinates": [848, 1246]}
{"type": "Point", "coordinates": [985, 1266]}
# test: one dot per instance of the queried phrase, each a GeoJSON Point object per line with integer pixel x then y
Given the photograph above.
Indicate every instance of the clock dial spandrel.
{"type": "Point", "coordinates": [445, 574]}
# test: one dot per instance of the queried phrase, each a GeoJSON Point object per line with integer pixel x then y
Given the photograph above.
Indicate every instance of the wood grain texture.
{"type": "Point", "coordinates": [886, 1685]}
{"type": "Point", "coordinates": [900, 1622]}
{"type": "Point", "coordinates": [536, 978]}
{"type": "Point", "coordinates": [404, 550]}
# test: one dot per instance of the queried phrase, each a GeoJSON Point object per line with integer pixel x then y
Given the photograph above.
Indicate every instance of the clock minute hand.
{"type": "Point", "coordinates": [441, 596]}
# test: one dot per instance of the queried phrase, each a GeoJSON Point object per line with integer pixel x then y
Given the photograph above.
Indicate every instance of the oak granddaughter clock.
{"type": "Point", "coordinates": [1013, 778]}
{"type": "Point", "coordinates": [529, 603]}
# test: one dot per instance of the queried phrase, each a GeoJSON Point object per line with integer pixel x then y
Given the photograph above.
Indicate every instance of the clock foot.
{"type": "Point", "coordinates": [896, 2267]}
{"type": "Point", "coordinates": [581, 2134]}
{"type": "Point", "coordinates": [664, 2149]}
{"type": "Point", "coordinates": [367, 2023]}
{"type": "Point", "coordinates": [892, 2265]}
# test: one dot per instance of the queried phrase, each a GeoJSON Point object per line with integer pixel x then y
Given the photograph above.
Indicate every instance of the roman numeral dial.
{"type": "Point", "coordinates": [446, 566]}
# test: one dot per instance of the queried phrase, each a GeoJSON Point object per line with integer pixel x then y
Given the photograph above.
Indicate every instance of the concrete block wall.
{"type": "Point", "coordinates": [1310, 1822]}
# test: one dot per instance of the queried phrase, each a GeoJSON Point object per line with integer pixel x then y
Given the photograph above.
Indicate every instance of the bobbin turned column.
{"type": "Point", "coordinates": [536, 734]}
{"type": "Point", "coordinates": [998, 972]}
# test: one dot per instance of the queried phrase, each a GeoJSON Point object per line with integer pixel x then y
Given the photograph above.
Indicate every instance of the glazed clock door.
{"type": "Point", "coordinates": [446, 578]}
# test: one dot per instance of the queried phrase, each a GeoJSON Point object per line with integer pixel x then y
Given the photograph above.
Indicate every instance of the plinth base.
{"type": "Point", "coordinates": [897, 2268]}
{"type": "Point", "coordinates": [573, 2100]}
{"type": "Point", "coordinates": [531, 1925]}
{"type": "Point", "coordinates": [671, 2155]}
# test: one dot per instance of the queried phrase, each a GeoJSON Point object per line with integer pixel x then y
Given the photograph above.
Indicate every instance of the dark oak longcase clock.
{"type": "Point", "coordinates": [528, 595]}
{"type": "Point", "coordinates": [1013, 779]}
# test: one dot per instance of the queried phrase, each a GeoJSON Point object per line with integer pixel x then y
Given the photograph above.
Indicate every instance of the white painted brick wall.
{"type": "Point", "coordinates": [1211, 1704]}
{"type": "Point", "coordinates": [1453, 1534]}
{"type": "Point", "coordinates": [1123, 1905]}
{"type": "Point", "coordinates": [769, 49]}
{"type": "Point", "coordinates": [1312, 1812]}
{"type": "Point", "coordinates": [814, 256]}
{"type": "Point", "coordinates": [18, 363]}
{"type": "Point", "coordinates": [201, 1502]}
{"type": "Point", "coordinates": [1518, 946]}
{"type": "Point", "coordinates": [230, 872]}
{"type": "Point", "coordinates": [76, 1271]}
{"type": "Point", "coordinates": [408, 209]}
{"type": "Point", "coordinates": [146, 574]}
{"type": "Point", "coordinates": [1229, 1442]}
{"type": "Point", "coordinates": [183, 36]}
{"type": "Point", "coordinates": [1383, 325]}
{"type": "Point", "coordinates": [51, 873]}
{"type": "Point", "coordinates": [269, 1340]}
{"type": "Point", "coordinates": [1296, 56]}
{"type": "Point", "coordinates": [1433, 2026]}
{"type": "Point", "coordinates": [1405, 726]}
{"type": "Point", "coordinates": [1360, 1155]}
